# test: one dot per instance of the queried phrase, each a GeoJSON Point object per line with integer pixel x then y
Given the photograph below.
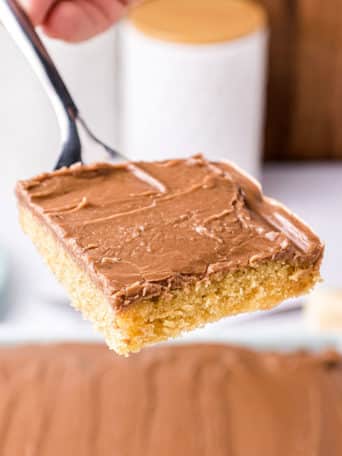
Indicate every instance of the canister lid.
{"type": "Point", "coordinates": [198, 21]}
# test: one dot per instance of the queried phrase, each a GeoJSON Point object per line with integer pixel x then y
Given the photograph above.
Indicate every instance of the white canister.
{"type": "Point", "coordinates": [193, 80]}
{"type": "Point", "coordinates": [29, 133]}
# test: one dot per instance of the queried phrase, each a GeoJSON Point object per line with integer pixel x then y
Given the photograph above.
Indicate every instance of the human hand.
{"type": "Point", "coordinates": [74, 20]}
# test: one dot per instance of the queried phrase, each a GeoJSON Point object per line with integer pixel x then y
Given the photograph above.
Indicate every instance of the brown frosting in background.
{"type": "Point", "coordinates": [142, 228]}
{"type": "Point", "coordinates": [195, 400]}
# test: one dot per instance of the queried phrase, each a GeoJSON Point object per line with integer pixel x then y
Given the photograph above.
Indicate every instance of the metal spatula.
{"type": "Point", "coordinates": [71, 124]}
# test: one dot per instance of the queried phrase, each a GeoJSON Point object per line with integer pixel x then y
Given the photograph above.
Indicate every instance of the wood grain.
{"type": "Point", "coordinates": [304, 104]}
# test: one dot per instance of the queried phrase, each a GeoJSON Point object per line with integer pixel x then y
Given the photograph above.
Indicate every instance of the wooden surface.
{"type": "Point", "coordinates": [304, 108]}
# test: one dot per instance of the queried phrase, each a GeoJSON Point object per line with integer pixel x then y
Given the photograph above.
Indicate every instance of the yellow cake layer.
{"type": "Point", "coordinates": [149, 321]}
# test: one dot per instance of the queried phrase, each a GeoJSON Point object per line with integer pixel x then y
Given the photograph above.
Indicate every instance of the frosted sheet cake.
{"type": "Point", "coordinates": [149, 250]}
{"type": "Point", "coordinates": [75, 399]}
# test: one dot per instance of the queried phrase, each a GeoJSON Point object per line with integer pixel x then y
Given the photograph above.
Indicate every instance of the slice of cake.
{"type": "Point", "coordinates": [196, 400]}
{"type": "Point", "coordinates": [148, 250]}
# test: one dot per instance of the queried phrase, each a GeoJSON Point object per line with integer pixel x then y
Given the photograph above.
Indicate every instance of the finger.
{"type": "Point", "coordinates": [78, 20]}
{"type": "Point", "coordinates": [37, 10]}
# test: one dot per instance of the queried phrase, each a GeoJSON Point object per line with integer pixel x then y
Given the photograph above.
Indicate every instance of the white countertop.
{"type": "Point", "coordinates": [37, 305]}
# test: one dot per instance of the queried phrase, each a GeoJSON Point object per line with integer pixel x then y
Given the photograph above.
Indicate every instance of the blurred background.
{"type": "Point", "coordinates": [258, 83]}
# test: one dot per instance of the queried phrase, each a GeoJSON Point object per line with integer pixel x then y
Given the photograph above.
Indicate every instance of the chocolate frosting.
{"type": "Point", "coordinates": [192, 400]}
{"type": "Point", "coordinates": [140, 229]}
